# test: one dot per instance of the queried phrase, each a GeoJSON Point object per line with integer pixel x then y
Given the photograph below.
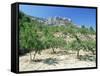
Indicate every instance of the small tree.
{"type": "Point", "coordinates": [90, 46]}
{"type": "Point", "coordinates": [83, 26]}
{"type": "Point", "coordinates": [91, 28]}
{"type": "Point", "coordinates": [50, 42]}
{"type": "Point", "coordinates": [29, 37]}
{"type": "Point", "coordinates": [77, 47]}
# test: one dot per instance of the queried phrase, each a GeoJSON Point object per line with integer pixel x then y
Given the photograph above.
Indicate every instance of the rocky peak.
{"type": "Point", "coordinates": [54, 21]}
{"type": "Point", "coordinates": [57, 21]}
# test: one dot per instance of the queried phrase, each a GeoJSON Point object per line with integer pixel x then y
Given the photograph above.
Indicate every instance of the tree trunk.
{"type": "Point", "coordinates": [34, 55]}
{"type": "Point", "coordinates": [78, 54]}
{"type": "Point", "coordinates": [93, 52]}
{"type": "Point", "coordinates": [53, 50]}
{"type": "Point", "coordinates": [30, 56]}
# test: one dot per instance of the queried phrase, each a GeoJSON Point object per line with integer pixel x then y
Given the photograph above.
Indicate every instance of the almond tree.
{"type": "Point", "coordinates": [28, 35]}
{"type": "Point", "coordinates": [90, 46]}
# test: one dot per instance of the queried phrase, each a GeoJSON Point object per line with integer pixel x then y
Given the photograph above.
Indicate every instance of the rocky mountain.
{"type": "Point", "coordinates": [57, 21]}
{"type": "Point", "coordinates": [54, 21]}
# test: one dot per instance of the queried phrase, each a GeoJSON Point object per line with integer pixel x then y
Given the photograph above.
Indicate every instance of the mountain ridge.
{"type": "Point", "coordinates": [54, 21]}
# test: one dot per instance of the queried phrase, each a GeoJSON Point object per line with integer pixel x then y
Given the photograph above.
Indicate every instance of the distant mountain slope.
{"type": "Point", "coordinates": [54, 21]}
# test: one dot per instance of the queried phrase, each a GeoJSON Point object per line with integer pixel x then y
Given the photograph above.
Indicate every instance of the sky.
{"type": "Point", "coordinates": [79, 16]}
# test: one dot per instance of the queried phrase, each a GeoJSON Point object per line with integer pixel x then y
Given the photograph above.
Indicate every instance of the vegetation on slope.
{"type": "Point", "coordinates": [36, 36]}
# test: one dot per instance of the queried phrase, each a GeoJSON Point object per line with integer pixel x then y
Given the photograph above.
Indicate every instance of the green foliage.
{"type": "Point", "coordinates": [83, 26]}
{"type": "Point", "coordinates": [74, 46]}
{"type": "Point", "coordinates": [28, 35]}
{"type": "Point", "coordinates": [91, 28]}
{"type": "Point", "coordinates": [89, 46]}
{"type": "Point", "coordinates": [86, 31]}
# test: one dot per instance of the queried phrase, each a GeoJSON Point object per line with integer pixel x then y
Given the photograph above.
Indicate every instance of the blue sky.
{"type": "Point", "coordinates": [79, 16]}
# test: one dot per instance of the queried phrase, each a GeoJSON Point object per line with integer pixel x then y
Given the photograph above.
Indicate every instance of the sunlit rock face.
{"type": "Point", "coordinates": [54, 21]}
{"type": "Point", "coordinates": [57, 21]}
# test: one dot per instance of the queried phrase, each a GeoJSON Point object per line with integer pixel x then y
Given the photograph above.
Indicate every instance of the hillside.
{"type": "Point", "coordinates": [53, 42]}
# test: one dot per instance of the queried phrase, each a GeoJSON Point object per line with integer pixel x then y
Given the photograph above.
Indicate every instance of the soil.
{"type": "Point", "coordinates": [60, 60]}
